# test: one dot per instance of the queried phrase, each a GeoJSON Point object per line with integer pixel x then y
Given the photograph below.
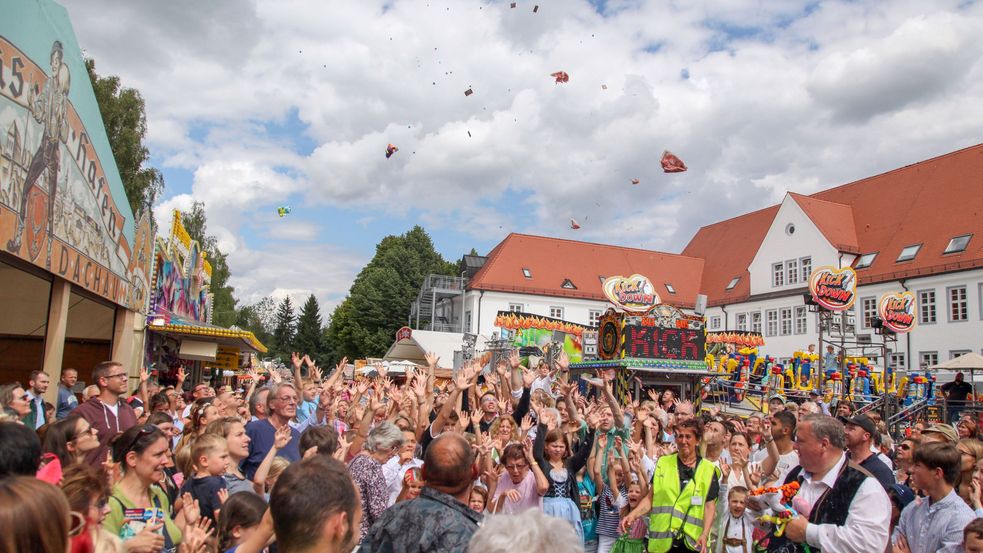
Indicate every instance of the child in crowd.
{"type": "Point", "coordinates": [210, 455]}
{"type": "Point", "coordinates": [737, 526]}
{"type": "Point", "coordinates": [241, 523]}
{"type": "Point", "coordinates": [412, 484]}
{"type": "Point", "coordinates": [478, 499]}
{"type": "Point", "coordinates": [973, 536]}
{"type": "Point", "coordinates": [614, 498]}
{"type": "Point", "coordinates": [633, 541]}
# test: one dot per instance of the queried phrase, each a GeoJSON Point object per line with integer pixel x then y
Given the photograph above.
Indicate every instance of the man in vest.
{"type": "Point", "coordinates": [848, 509]}
{"type": "Point", "coordinates": [682, 499]}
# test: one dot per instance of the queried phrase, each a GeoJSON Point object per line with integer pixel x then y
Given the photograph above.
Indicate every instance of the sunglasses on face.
{"type": "Point", "coordinates": [905, 447]}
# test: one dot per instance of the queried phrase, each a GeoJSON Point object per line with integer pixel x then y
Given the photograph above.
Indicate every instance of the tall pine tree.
{"type": "Point", "coordinates": [283, 331]}
{"type": "Point", "coordinates": [308, 339]}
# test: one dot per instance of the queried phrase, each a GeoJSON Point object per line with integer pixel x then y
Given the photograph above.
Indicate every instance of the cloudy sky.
{"type": "Point", "coordinates": [255, 104]}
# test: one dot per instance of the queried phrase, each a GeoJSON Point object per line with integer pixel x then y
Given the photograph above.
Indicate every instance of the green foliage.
{"type": "Point", "coordinates": [223, 304]}
{"type": "Point", "coordinates": [283, 330]}
{"type": "Point", "coordinates": [125, 120]}
{"type": "Point", "coordinates": [309, 338]}
{"type": "Point", "coordinates": [365, 323]}
{"type": "Point", "coordinates": [248, 317]}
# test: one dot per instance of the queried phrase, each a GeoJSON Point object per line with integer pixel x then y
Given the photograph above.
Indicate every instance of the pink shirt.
{"type": "Point", "coordinates": [527, 489]}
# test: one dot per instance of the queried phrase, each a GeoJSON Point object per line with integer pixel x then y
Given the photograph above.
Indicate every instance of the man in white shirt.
{"type": "Point", "coordinates": [779, 456]}
{"type": "Point", "coordinates": [849, 511]}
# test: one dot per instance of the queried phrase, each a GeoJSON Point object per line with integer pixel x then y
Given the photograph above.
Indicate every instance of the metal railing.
{"type": "Point", "coordinates": [445, 282]}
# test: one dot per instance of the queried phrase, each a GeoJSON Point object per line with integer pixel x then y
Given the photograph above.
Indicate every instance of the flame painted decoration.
{"type": "Point", "coordinates": [510, 320]}
{"type": "Point", "coordinates": [749, 339]}
{"type": "Point", "coordinates": [634, 294]}
{"type": "Point", "coordinates": [834, 289]}
{"type": "Point", "coordinates": [897, 310]}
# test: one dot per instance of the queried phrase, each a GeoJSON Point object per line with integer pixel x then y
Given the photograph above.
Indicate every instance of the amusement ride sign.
{"type": "Point", "coordinates": [634, 294]}
{"type": "Point", "coordinates": [834, 289]}
{"type": "Point", "coordinates": [897, 310]}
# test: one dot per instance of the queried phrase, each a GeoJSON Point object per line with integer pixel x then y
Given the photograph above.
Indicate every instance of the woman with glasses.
{"type": "Point", "coordinates": [70, 439]}
{"type": "Point", "coordinates": [138, 508]}
{"type": "Point", "coordinates": [903, 461]}
{"type": "Point", "coordinates": [88, 496]}
{"type": "Point", "coordinates": [15, 400]}
{"type": "Point", "coordinates": [971, 453]}
{"type": "Point", "coordinates": [382, 443]}
{"type": "Point", "coordinates": [523, 484]}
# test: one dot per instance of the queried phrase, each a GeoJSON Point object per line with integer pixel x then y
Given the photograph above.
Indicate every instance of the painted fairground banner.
{"type": "Point", "coordinates": [62, 203]}
{"type": "Point", "coordinates": [834, 289]}
{"type": "Point", "coordinates": [897, 310]}
{"type": "Point", "coordinates": [182, 278]}
{"type": "Point", "coordinates": [533, 334]}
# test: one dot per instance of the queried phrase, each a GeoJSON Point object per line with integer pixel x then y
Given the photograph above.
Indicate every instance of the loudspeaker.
{"type": "Point", "coordinates": [701, 304]}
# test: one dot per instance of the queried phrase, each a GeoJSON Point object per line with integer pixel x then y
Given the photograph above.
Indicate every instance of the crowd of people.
{"type": "Point", "coordinates": [504, 458]}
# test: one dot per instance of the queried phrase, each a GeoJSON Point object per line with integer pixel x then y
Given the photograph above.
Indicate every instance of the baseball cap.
{"type": "Point", "coordinates": [777, 398]}
{"type": "Point", "coordinates": [947, 431]}
{"type": "Point", "coordinates": [901, 495]}
{"type": "Point", "coordinates": [863, 421]}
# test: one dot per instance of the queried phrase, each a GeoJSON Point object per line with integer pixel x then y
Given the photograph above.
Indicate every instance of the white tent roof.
{"type": "Point", "coordinates": [968, 361]}
{"type": "Point", "coordinates": [444, 344]}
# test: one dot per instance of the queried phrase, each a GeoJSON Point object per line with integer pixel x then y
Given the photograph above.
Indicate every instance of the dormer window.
{"type": "Point", "coordinates": [958, 244]}
{"type": "Point", "coordinates": [865, 260]}
{"type": "Point", "coordinates": [908, 253]}
{"type": "Point", "coordinates": [526, 273]}
{"type": "Point", "coordinates": [733, 283]}
{"type": "Point", "coordinates": [670, 288]}
{"type": "Point", "coordinates": [568, 284]}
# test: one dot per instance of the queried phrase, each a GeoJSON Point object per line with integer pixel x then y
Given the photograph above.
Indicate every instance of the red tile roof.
{"type": "Point", "coordinates": [552, 260]}
{"type": "Point", "coordinates": [926, 203]}
{"type": "Point", "coordinates": [728, 248]}
{"type": "Point", "coordinates": [834, 220]}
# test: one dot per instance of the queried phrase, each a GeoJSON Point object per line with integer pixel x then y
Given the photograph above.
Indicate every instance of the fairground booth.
{"type": "Point", "coordinates": [74, 263]}
{"type": "Point", "coordinates": [180, 332]}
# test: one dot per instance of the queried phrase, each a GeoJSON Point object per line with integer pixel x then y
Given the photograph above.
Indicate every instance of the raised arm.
{"type": "Point", "coordinates": [280, 441]}
{"type": "Point", "coordinates": [605, 389]}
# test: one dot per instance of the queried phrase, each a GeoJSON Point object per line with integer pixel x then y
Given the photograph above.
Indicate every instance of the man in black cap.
{"type": "Point", "coordinates": [860, 432]}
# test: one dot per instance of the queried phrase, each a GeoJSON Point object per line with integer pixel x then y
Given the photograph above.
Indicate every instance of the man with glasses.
{"type": "Point", "coordinates": [199, 391]}
{"type": "Point", "coordinates": [282, 407]}
{"type": "Point", "coordinates": [106, 412]}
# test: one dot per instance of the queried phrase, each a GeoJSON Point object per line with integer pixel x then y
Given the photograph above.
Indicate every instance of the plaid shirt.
{"type": "Point", "coordinates": [432, 523]}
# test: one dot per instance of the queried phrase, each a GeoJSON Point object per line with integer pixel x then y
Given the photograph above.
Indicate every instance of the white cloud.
{"type": "Point", "coordinates": [782, 95]}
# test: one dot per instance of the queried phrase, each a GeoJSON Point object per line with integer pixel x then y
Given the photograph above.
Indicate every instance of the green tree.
{"type": "Point", "coordinates": [125, 119]}
{"type": "Point", "coordinates": [223, 303]}
{"type": "Point", "coordinates": [283, 330]}
{"type": "Point", "coordinates": [365, 323]}
{"type": "Point", "coordinates": [308, 339]}
{"type": "Point", "coordinates": [248, 318]}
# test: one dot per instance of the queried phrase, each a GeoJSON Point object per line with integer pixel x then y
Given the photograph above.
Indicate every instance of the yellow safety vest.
{"type": "Point", "coordinates": [676, 512]}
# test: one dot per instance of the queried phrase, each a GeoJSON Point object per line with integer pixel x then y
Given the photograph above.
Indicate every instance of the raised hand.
{"type": "Point", "coordinates": [190, 509]}
{"type": "Point", "coordinates": [653, 395]}
{"type": "Point", "coordinates": [526, 424]}
{"type": "Point", "coordinates": [223, 496]}
{"type": "Point", "coordinates": [253, 374]}
{"type": "Point", "coordinates": [563, 361]}
{"type": "Point", "coordinates": [362, 386]}
{"type": "Point", "coordinates": [528, 377]}
{"type": "Point", "coordinates": [340, 367]}
{"type": "Point", "coordinates": [316, 373]}
{"type": "Point", "coordinates": [476, 416]}
{"type": "Point", "coordinates": [144, 375]}
{"type": "Point", "coordinates": [502, 368]}
{"type": "Point", "coordinates": [308, 361]}
{"type": "Point", "coordinates": [514, 359]}
{"type": "Point", "coordinates": [282, 437]}
{"type": "Point", "coordinates": [181, 376]}
{"type": "Point", "coordinates": [432, 359]}
{"type": "Point", "coordinates": [195, 538]}
{"type": "Point", "coordinates": [275, 376]}
{"type": "Point", "coordinates": [380, 369]}
{"type": "Point", "coordinates": [296, 360]}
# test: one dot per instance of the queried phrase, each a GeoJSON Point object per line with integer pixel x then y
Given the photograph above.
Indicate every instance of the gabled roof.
{"type": "Point", "coordinates": [834, 220]}
{"type": "Point", "coordinates": [728, 248]}
{"type": "Point", "coordinates": [551, 261]}
{"type": "Point", "coordinates": [926, 203]}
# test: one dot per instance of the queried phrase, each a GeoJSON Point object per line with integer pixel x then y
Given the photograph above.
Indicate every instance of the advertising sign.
{"type": "Point", "coordinates": [897, 310]}
{"type": "Point", "coordinates": [653, 342]}
{"type": "Point", "coordinates": [62, 203]}
{"type": "Point", "coordinates": [833, 289]}
{"type": "Point", "coordinates": [404, 333]}
{"type": "Point", "coordinates": [634, 294]}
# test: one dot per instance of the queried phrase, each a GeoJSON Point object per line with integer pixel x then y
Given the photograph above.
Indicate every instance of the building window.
{"type": "Point", "coordinates": [756, 322]}
{"type": "Point", "coordinates": [556, 312]}
{"type": "Point", "coordinates": [958, 306]}
{"type": "Point", "coordinates": [908, 253]}
{"type": "Point", "coordinates": [897, 361]}
{"type": "Point", "coordinates": [957, 352]}
{"type": "Point", "coordinates": [786, 319]}
{"type": "Point", "coordinates": [958, 244]}
{"type": "Point", "coordinates": [670, 288]}
{"type": "Point", "coordinates": [715, 323]}
{"type": "Point", "coordinates": [777, 275]}
{"type": "Point", "coordinates": [593, 317]}
{"type": "Point", "coordinates": [868, 310]}
{"type": "Point", "coordinates": [772, 322]}
{"type": "Point", "coordinates": [801, 320]}
{"type": "Point", "coordinates": [515, 307]}
{"type": "Point", "coordinates": [926, 307]}
{"type": "Point", "coordinates": [865, 260]}
{"type": "Point", "coordinates": [526, 273]}
{"type": "Point", "coordinates": [981, 301]}
{"type": "Point", "coordinates": [467, 321]}
{"type": "Point", "coordinates": [792, 271]}
{"type": "Point", "coordinates": [568, 284]}
{"type": "Point", "coordinates": [927, 358]}
{"type": "Point", "coordinates": [733, 283]}
{"type": "Point", "coordinates": [806, 264]}
{"type": "Point", "coordinates": [742, 321]}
